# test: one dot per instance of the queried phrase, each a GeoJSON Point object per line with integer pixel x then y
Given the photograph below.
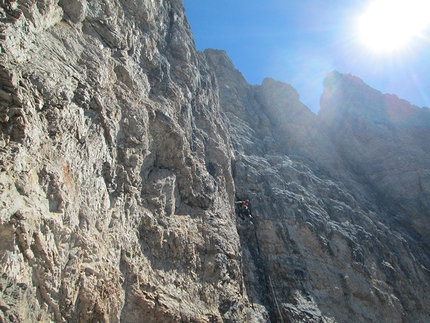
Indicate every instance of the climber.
{"type": "Point", "coordinates": [243, 209]}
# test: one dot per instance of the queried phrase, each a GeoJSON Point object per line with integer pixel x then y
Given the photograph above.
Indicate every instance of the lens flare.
{"type": "Point", "coordinates": [388, 25]}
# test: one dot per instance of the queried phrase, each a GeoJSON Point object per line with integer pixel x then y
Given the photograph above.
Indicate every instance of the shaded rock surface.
{"type": "Point", "coordinates": [339, 200]}
{"type": "Point", "coordinates": [123, 150]}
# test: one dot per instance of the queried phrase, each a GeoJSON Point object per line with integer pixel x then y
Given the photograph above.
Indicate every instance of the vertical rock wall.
{"type": "Point", "coordinates": [115, 185]}
{"type": "Point", "coordinates": [326, 242]}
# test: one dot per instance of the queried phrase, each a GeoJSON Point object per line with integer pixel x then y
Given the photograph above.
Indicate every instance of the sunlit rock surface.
{"type": "Point", "coordinates": [123, 150]}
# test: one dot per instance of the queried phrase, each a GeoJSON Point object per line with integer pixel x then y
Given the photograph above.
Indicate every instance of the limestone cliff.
{"type": "Point", "coordinates": [123, 150]}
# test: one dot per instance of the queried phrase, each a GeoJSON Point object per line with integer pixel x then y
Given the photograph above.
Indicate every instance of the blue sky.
{"type": "Point", "coordinates": [298, 42]}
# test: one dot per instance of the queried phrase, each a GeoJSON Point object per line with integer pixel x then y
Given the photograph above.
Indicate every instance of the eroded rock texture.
{"type": "Point", "coordinates": [123, 150]}
{"type": "Point", "coordinates": [340, 200]}
{"type": "Point", "coordinates": [116, 183]}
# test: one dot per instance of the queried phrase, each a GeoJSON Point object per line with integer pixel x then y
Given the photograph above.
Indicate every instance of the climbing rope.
{"type": "Point", "coordinates": [276, 301]}
{"type": "Point", "coordinates": [265, 272]}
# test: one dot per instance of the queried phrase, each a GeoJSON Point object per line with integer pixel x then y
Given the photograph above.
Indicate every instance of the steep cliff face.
{"type": "Point", "coordinates": [385, 142]}
{"type": "Point", "coordinates": [123, 150]}
{"type": "Point", "coordinates": [340, 215]}
{"type": "Point", "coordinates": [116, 185]}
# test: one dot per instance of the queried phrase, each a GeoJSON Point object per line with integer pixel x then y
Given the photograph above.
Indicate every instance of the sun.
{"type": "Point", "coordinates": [388, 25]}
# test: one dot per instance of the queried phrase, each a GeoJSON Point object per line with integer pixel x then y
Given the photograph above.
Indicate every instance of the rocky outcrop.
{"type": "Point", "coordinates": [327, 242]}
{"type": "Point", "coordinates": [383, 138]}
{"type": "Point", "coordinates": [123, 150]}
{"type": "Point", "coordinates": [116, 185]}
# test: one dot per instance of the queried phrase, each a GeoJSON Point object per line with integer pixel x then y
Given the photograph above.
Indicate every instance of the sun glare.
{"type": "Point", "coordinates": [389, 25]}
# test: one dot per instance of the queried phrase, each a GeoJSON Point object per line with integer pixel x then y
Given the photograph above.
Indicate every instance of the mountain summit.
{"type": "Point", "coordinates": [124, 151]}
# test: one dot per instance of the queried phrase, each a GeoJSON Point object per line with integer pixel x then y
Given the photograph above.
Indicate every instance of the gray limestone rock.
{"type": "Point", "coordinates": [328, 241]}
{"type": "Point", "coordinates": [123, 150]}
{"type": "Point", "coordinates": [116, 185]}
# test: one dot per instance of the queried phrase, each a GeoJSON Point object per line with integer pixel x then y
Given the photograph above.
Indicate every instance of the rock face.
{"type": "Point", "coordinates": [331, 240]}
{"type": "Point", "coordinates": [123, 150]}
{"type": "Point", "coordinates": [116, 186]}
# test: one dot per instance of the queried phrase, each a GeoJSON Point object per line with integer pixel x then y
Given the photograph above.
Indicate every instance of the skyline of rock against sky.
{"type": "Point", "coordinates": [299, 43]}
